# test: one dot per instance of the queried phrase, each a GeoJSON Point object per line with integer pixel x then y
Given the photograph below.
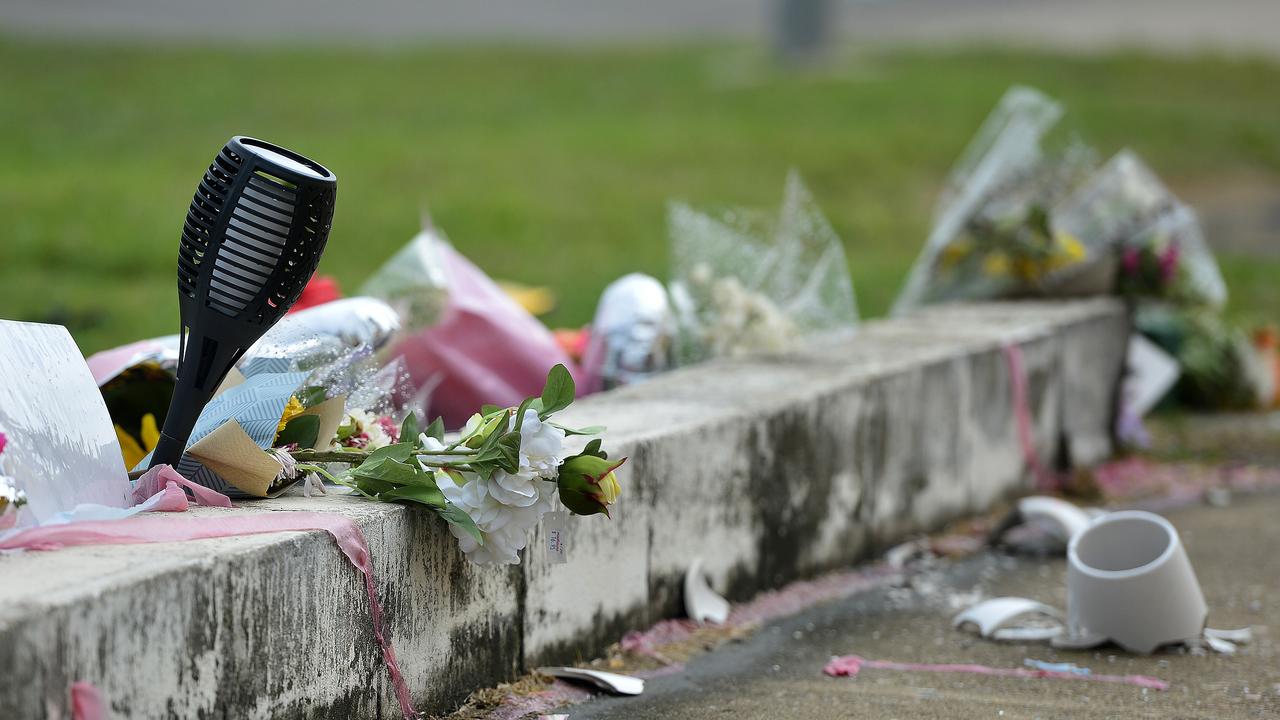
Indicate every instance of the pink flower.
{"type": "Point", "coordinates": [1130, 260]}
{"type": "Point", "coordinates": [1169, 262]}
{"type": "Point", "coordinates": [3, 441]}
{"type": "Point", "coordinates": [389, 427]}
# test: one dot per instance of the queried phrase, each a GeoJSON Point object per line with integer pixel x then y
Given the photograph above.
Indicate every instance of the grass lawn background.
{"type": "Point", "coordinates": [552, 167]}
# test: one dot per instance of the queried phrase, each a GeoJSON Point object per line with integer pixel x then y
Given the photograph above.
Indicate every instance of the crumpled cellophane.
{"type": "Point", "coordinates": [414, 281]}
{"type": "Point", "coordinates": [745, 282]}
{"type": "Point", "coordinates": [1162, 251]}
{"type": "Point", "coordinates": [994, 235]}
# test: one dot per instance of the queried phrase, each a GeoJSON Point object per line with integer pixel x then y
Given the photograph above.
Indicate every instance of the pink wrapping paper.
{"type": "Point", "coordinates": [108, 363]}
{"type": "Point", "coordinates": [486, 349]}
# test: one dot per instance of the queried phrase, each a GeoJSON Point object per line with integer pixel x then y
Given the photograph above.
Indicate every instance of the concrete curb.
{"type": "Point", "coordinates": [770, 469]}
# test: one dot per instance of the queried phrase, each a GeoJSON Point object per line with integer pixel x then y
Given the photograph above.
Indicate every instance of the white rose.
{"type": "Point", "coordinates": [540, 445]}
{"type": "Point", "coordinates": [514, 489]}
{"type": "Point", "coordinates": [504, 528]}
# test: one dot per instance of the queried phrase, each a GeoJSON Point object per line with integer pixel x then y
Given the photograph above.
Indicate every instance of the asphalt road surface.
{"type": "Point", "coordinates": [777, 673]}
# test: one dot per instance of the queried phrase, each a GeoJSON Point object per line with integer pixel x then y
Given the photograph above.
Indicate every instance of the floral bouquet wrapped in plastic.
{"type": "Point", "coordinates": [744, 283]}
{"type": "Point", "coordinates": [1163, 255]}
{"type": "Point", "coordinates": [994, 233]}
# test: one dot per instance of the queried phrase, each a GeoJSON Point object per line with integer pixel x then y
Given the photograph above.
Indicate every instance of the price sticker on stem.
{"type": "Point", "coordinates": [557, 525]}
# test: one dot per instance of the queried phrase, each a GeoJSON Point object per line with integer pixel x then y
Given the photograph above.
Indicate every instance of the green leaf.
{"type": "Point", "coordinates": [399, 451]}
{"type": "Point", "coordinates": [372, 486]}
{"type": "Point", "coordinates": [593, 448]}
{"type": "Point", "coordinates": [509, 449]}
{"type": "Point", "coordinates": [313, 395]}
{"type": "Point", "coordinates": [346, 430]}
{"type": "Point", "coordinates": [409, 429]}
{"type": "Point", "coordinates": [427, 495]}
{"type": "Point", "coordinates": [589, 430]}
{"type": "Point", "coordinates": [520, 413]}
{"type": "Point", "coordinates": [303, 431]}
{"type": "Point", "coordinates": [487, 410]}
{"type": "Point", "coordinates": [393, 471]}
{"type": "Point", "coordinates": [436, 429]}
{"type": "Point", "coordinates": [558, 393]}
{"type": "Point", "coordinates": [455, 516]}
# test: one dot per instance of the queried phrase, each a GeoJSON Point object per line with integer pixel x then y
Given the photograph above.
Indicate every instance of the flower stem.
{"type": "Point", "coordinates": [359, 456]}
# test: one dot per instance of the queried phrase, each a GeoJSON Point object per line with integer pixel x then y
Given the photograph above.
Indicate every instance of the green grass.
{"type": "Point", "coordinates": [544, 166]}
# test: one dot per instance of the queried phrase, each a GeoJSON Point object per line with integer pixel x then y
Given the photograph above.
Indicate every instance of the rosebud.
{"type": "Point", "coordinates": [588, 484]}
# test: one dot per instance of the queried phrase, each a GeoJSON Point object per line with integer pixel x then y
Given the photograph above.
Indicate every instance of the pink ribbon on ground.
{"type": "Point", "coordinates": [851, 665]}
{"type": "Point", "coordinates": [1045, 480]}
{"type": "Point", "coordinates": [156, 529]}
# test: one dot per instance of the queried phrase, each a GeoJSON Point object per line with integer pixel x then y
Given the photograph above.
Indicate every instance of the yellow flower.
{"type": "Point", "coordinates": [1069, 249]}
{"type": "Point", "coordinates": [955, 252]}
{"type": "Point", "coordinates": [134, 452]}
{"type": "Point", "coordinates": [996, 264]}
{"type": "Point", "coordinates": [292, 409]}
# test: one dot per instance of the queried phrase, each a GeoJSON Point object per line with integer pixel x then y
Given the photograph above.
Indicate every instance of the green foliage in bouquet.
{"type": "Point", "coordinates": [491, 443]}
{"type": "Point", "coordinates": [1216, 360]}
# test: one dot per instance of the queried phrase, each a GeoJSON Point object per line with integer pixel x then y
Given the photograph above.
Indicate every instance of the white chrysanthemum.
{"type": "Point", "coordinates": [540, 445]}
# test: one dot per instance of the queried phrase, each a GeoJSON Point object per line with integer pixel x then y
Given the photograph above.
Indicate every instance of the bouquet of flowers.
{"type": "Point", "coordinates": [1163, 255]}
{"type": "Point", "coordinates": [744, 283]}
{"type": "Point", "coordinates": [995, 233]}
{"type": "Point", "coordinates": [1220, 368]}
{"type": "Point", "coordinates": [492, 482]}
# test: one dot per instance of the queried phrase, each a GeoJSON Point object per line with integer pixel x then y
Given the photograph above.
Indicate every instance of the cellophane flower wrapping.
{"type": "Point", "coordinates": [1161, 248]}
{"type": "Point", "coordinates": [466, 343]}
{"type": "Point", "coordinates": [1220, 368]}
{"type": "Point", "coordinates": [744, 282]}
{"type": "Point", "coordinates": [994, 234]}
{"type": "Point", "coordinates": [414, 281]}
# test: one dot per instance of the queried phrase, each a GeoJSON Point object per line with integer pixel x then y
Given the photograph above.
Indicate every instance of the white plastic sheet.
{"type": "Point", "coordinates": [61, 450]}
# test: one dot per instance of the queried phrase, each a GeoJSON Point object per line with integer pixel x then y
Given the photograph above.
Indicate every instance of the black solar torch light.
{"type": "Point", "coordinates": [253, 237]}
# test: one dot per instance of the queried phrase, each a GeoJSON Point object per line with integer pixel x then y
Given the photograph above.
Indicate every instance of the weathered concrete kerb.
{"type": "Point", "coordinates": [768, 469]}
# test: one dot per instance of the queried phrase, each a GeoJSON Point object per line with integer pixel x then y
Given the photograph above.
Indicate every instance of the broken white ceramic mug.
{"type": "Point", "coordinates": [1129, 579]}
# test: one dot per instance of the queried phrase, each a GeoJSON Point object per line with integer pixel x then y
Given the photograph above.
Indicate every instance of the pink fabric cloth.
{"type": "Point", "coordinates": [86, 702]}
{"type": "Point", "coordinates": [851, 665]}
{"type": "Point", "coordinates": [486, 349]}
{"type": "Point", "coordinates": [151, 528]}
{"type": "Point", "coordinates": [1045, 480]}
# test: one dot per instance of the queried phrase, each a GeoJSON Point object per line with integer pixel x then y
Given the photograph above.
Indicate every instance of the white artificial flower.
{"type": "Point", "coordinates": [504, 527]}
{"type": "Point", "coordinates": [514, 489]}
{"type": "Point", "coordinates": [501, 547]}
{"type": "Point", "coordinates": [431, 444]}
{"type": "Point", "coordinates": [540, 445]}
